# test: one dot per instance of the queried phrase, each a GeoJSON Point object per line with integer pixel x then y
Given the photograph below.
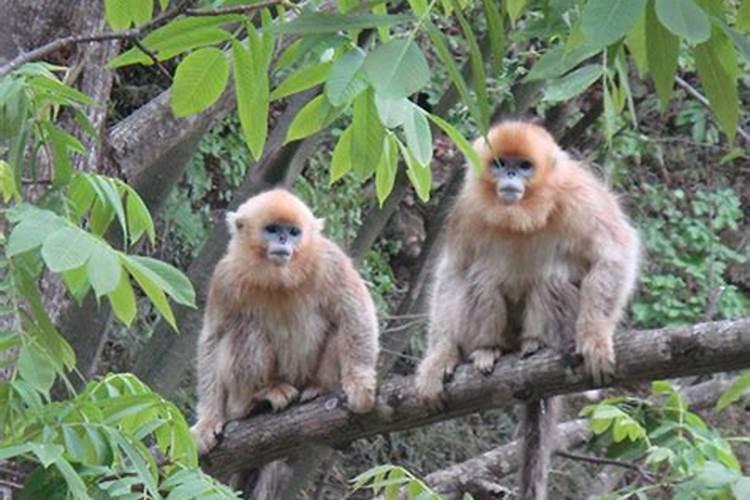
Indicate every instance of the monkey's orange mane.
{"type": "Point", "coordinates": [247, 251]}
{"type": "Point", "coordinates": [514, 139]}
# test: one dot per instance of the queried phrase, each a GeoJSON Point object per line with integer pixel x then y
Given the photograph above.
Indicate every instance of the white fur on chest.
{"type": "Point", "coordinates": [514, 265]}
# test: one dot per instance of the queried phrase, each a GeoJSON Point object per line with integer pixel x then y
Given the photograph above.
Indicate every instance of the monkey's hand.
{"type": "Point", "coordinates": [280, 395]}
{"type": "Point", "coordinates": [598, 353]}
{"type": "Point", "coordinates": [360, 393]}
{"type": "Point", "coordinates": [484, 359]}
{"type": "Point", "coordinates": [206, 433]}
{"type": "Point", "coordinates": [434, 370]}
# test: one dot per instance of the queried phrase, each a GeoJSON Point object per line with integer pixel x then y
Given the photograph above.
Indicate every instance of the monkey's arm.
{"type": "Point", "coordinates": [210, 391]}
{"type": "Point", "coordinates": [357, 333]}
{"type": "Point", "coordinates": [612, 248]}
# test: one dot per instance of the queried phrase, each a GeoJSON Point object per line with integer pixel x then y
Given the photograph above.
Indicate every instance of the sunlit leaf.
{"type": "Point", "coordinates": [460, 141]}
{"type": "Point", "coordinates": [418, 134]}
{"type": "Point", "coordinates": [343, 83]}
{"type": "Point", "coordinates": [716, 62]}
{"type": "Point", "coordinates": [313, 116]}
{"type": "Point", "coordinates": [331, 23]}
{"type": "Point", "coordinates": [303, 79]}
{"type": "Point", "coordinates": [199, 81]}
{"type": "Point", "coordinates": [341, 162]}
{"type": "Point", "coordinates": [367, 135]}
{"type": "Point", "coordinates": [103, 270]}
{"type": "Point", "coordinates": [67, 248]}
{"type": "Point", "coordinates": [252, 90]}
{"type": "Point", "coordinates": [385, 172]}
{"type": "Point", "coordinates": [392, 112]}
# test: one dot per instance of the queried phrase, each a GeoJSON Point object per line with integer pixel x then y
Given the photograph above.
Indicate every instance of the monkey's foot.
{"type": "Point", "coordinates": [280, 396]}
{"type": "Point", "coordinates": [430, 390]}
{"type": "Point", "coordinates": [530, 346]}
{"type": "Point", "coordinates": [484, 359]}
{"type": "Point", "coordinates": [206, 433]}
{"type": "Point", "coordinates": [310, 393]}
{"type": "Point", "coordinates": [360, 395]}
{"type": "Point", "coordinates": [599, 357]}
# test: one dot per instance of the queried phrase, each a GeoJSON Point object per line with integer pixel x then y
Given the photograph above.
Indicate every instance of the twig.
{"type": "Point", "coordinates": [128, 34]}
{"type": "Point", "coordinates": [645, 474]}
{"type": "Point", "coordinates": [703, 100]}
{"type": "Point", "coordinates": [154, 58]}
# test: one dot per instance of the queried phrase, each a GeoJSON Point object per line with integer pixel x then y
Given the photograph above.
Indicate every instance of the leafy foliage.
{"type": "Point", "coordinates": [687, 258]}
{"type": "Point", "coordinates": [686, 455]}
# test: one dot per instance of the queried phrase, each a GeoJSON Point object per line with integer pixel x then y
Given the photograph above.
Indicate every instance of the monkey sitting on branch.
{"type": "Point", "coordinates": [537, 252]}
{"type": "Point", "coordinates": [287, 317]}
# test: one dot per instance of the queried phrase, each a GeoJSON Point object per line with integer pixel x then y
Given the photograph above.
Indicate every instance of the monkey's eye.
{"type": "Point", "coordinates": [525, 165]}
{"type": "Point", "coordinates": [295, 231]}
{"type": "Point", "coordinates": [272, 228]}
{"type": "Point", "coordinates": [239, 224]}
{"type": "Point", "coordinates": [497, 164]}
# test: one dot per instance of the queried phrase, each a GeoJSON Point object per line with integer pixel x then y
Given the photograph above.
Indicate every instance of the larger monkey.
{"type": "Point", "coordinates": [287, 316]}
{"type": "Point", "coordinates": [534, 243]}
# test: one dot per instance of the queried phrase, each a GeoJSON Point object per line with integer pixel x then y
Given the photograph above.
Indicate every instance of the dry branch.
{"type": "Point", "coordinates": [645, 355]}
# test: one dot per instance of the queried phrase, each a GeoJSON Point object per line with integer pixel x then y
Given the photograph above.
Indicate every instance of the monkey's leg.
{"type": "Point", "coordinates": [326, 377]}
{"type": "Point", "coordinates": [539, 427]}
{"type": "Point", "coordinates": [212, 397]}
{"type": "Point", "coordinates": [488, 317]}
{"type": "Point", "coordinates": [279, 395]}
{"type": "Point", "coordinates": [435, 369]}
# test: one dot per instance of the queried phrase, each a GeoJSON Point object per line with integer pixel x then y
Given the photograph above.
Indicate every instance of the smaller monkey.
{"type": "Point", "coordinates": [537, 253]}
{"type": "Point", "coordinates": [287, 317]}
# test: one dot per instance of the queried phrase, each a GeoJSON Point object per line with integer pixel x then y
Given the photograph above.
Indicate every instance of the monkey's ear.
{"type": "Point", "coordinates": [231, 218]}
{"type": "Point", "coordinates": [320, 224]}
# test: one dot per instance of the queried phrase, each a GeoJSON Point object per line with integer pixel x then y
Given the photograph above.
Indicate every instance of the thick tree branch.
{"type": "Point", "coordinates": [129, 34]}
{"type": "Point", "coordinates": [646, 355]}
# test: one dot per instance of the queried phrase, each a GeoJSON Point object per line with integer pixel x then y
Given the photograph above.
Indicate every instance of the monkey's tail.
{"type": "Point", "coordinates": [272, 481]}
{"type": "Point", "coordinates": [539, 429]}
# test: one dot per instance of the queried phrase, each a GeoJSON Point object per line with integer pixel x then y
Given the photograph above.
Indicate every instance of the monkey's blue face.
{"type": "Point", "coordinates": [511, 174]}
{"type": "Point", "coordinates": [281, 241]}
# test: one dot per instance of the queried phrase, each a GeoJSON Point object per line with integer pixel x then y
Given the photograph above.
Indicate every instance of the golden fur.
{"type": "Point", "coordinates": [277, 332]}
{"type": "Point", "coordinates": [558, 266]}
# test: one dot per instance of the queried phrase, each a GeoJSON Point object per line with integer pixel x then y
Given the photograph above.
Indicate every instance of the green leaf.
{"type": "Point", "coordinates": [418, 134]}
{"type": "Point", "coordinates": [661, 55]}
{"type": "Point", "coordinates": [199, 81]}
{"type": "Point", "coordinates": [122, 300]}
{"type": "Point", "coordinates": [139, 218]}
{"type": "Point", "coordinates": [419, 175]}
{"type": "Point", "coordinates": [314, 115]}
{"type": "Point", "coordinates": [55, 87]}
{"type": "Point", "coordinates": [741, 488]}
{"type": "Point", "coordinates": [397, 68]}
{"type": "Point", "coordinates": [117, 13]}
{"type": "Point", "coordinates": [367, 135]}
{"type": "Point", "coordinates": [685, 19]}
{"type": "Point", "coordinates": [47, 453]}
{"type": "Point", "coordinates": [573, 84]}
{"type": "Point", "coordinates": [385, 172]}
{"type": "Point", "coordinates": [252, 89]}
{"type": "Point", "coordinates": [67, 248]}
{"type": "Point", "coordinates": [440, 45]}
{"type": "Point", "coordinates": [142, 11]}
{"type": "Point", "coordinates": [476, 60]}
{"type": "Point", "coordinates": [152, 290]}
{"type": "Point", "coordinates": [716, 62]}
{"type": "Point", "coordinates": [103, 270]}
{"type": "Point", "coordinates": [514, 8]}
{"type": "Point", "coordinates": [735, 392]}
{"type": "Point", "coordinates": [605, 21]}
{"type": "Point", "coordinates": [495, 32]}
{"type": "Point", "coordinates": [558, 61]}
{"type": "Point", "coordinates": [302, 80]}
{"type": "Point", "coordinates": [332, 23]}
{"type": "Point", "coordinates": [32, 231]}
{"type": "Point", "coordinates": [13, 451]}
{"type": "Point", "coordinates": [636, 42]}
{"type": "Point", "coordinates": [77, 283]}
{"type": "Point", "coordinates": [392, 112]}
{"type": "Point", "coordinates": [166, 277]}
{"type": "Point", "coordinates": [343, 83]}
{"type": "Point", "coordinates": [74, 481]}
{"type": "Point", "coordinates": [8, 188]}
{"type": "Point", "coordinates": [35, 368]}
{"type": "Point", "coordinates": [460, 141]}
{"type": "Point", "coordinates": [743, 17]}
{"type": "Point", "coordinates": [418, 7]}
{"type": "Point", "coordinates": [341, 162]}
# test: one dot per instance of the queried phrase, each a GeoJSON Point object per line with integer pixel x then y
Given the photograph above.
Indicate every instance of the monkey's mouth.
{"type": "Point", "coordinates": [279, 257]}
{"type": "Point", "coordinates": [509, 195]}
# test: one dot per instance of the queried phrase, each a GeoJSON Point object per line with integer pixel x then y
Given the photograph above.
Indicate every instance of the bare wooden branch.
{"type": "Point", "coordinates": [645, 355]}
{"type": "Point", "coordinates": [128, 34]}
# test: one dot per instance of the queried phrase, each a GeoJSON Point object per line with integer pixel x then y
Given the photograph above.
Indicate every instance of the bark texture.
{"type": "Point", "coordinates": [645, 355]}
